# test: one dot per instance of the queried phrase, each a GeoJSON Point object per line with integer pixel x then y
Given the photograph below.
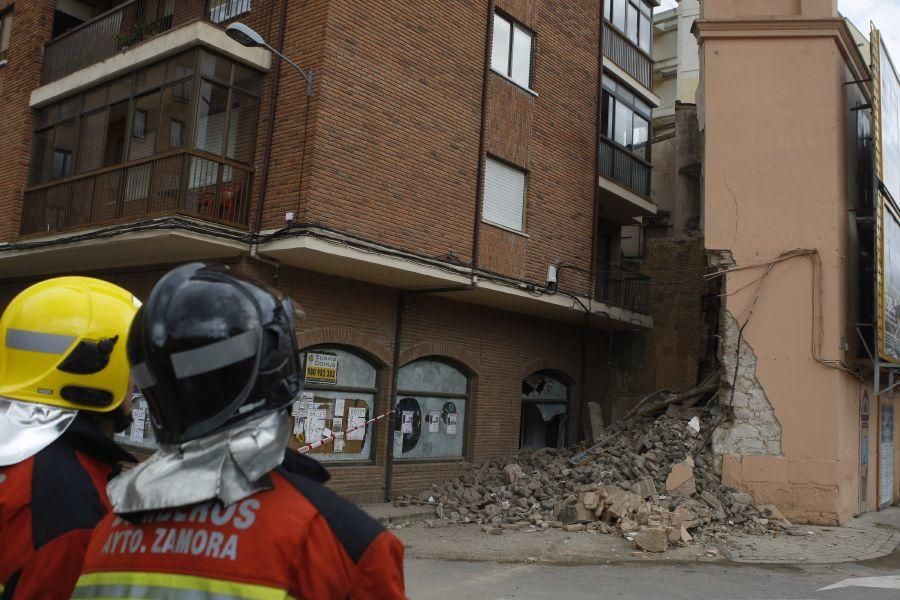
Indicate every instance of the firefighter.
{"type": "Point", "coordinates": [221, 510]}
{"type": "Point", "coordinates": [63, 387]}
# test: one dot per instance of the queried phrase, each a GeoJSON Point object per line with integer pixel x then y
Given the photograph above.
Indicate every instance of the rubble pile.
{"type": "Point", "coordinates": [650, 479]}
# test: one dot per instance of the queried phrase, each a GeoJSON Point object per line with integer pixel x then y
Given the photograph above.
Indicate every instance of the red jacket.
{"type": "Point", "coordinates": [49, 505]}
{"type": "Point", "coordinates": [296, 540]}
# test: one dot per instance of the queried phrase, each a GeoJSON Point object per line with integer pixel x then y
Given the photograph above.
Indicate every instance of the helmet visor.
{"type": "Point", "coordinates": [27, 428]}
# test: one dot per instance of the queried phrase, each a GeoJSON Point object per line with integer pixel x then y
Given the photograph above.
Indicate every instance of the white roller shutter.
{"type": "Point", "coordinates": [504, 195]}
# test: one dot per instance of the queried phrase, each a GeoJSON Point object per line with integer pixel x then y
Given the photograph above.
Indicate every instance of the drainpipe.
{"type": "Point", "coordinates": [398, 334]}
{"type": "Point", "coordinates": [476, 236]}
{"type": "Point", "coordinates": [596, 209]}
{"type": "Point", "coordinates": [270, 128]}
{"type": "Point", "coordinates": [479, 184]}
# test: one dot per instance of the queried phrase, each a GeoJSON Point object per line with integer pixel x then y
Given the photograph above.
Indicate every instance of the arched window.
{"type": "Point", "coordinates": [339, 393]}
{"type": "Point", "coordinates": [545, 400]}
{"type": "Point", "coordinates": [432, 398]}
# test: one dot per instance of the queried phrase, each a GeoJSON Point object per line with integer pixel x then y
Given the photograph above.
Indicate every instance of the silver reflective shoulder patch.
{"type": "Point", "coordinates": [215, 356]}
{"type": "Point", "coordinates": [38, 341]}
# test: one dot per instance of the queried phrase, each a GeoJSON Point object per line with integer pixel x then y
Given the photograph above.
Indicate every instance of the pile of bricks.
{"type": "Point", "coordinates": [651, 481]}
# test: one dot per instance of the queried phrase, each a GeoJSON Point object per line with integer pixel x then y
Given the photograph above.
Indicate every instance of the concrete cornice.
{"type": "Point", "coordinates": [835, 28]}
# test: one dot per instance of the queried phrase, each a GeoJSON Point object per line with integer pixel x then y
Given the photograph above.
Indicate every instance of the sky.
{"type": "Point", "coordinates": [885, 14]}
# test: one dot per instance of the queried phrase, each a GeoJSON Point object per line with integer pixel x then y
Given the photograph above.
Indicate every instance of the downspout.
{"type": "Point", "coordinates": [270, 129]}
{"type": "Point", "coordinates": [479, 184]}
{"type": "Point", "coordinates": [595, 226]}
{"type": "Point", "coordinates": [476, 236]}
{"type": "Point", "coordinates": [398, 333]}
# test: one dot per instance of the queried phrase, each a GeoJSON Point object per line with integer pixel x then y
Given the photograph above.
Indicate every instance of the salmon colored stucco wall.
{"type": "Point", "coordinates": [776, 181]}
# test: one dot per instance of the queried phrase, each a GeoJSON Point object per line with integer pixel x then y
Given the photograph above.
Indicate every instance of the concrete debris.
{"type": "Point", "coordinates": [680, 481]}
{"type": "Point", "coordinates": [652, 539]}
{"type": "Point", "coordinates": [615, 491]}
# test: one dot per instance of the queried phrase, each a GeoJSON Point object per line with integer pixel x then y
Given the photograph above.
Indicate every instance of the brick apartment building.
{"type": "Point", "coordinates": [474, 149]}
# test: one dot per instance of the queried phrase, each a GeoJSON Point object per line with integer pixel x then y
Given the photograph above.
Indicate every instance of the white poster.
{"type": "Point", "coordinates": [406, 425]}
{"type": "Point", "coordinates": [434, 421]}
{"type": "Point", "coordinates": [315, 425]}
{"type": "Point", "coordinates": [886, 468]}
{"type": "Point", "coordinates": [339, 408]}
{"type": "Point", "coordinates": [451, 424]}
{"type": "Point", "coordinates": [138, 422]}
{"type": "Point", "coordinates": [357, 418]}
{"type": "Point", "coordinates": [338, 425]}
{"type": "Point", "coordinates": [298, 425]}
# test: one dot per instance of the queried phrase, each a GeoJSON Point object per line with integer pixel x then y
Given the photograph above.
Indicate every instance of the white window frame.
{"type": "Point", "coordinates": [507, 70]}
{"type": "Point", "coordinates": [493, 210]}
{"type": "Point", "coordinates": [6, 23]}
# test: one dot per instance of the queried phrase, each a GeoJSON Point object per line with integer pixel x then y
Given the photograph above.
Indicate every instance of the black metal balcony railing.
{"type": "Point", "coordinates": [630, 58]}
{"type": "Point", "coordinates": [182, 182]}
{"type": "Point", "coordinates": [112, 32]}
{"type": "Point", "coordinates": [624, 167]}
{"type": "Point", "coordinates": [626, 290]}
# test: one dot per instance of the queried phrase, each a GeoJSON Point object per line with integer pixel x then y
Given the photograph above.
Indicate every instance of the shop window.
{"type": "Point", "coordinates": [432, 400]}
{"type": "Point", "coordinates": [511, 51]}
{"type": "Point", "coordinates": [339, 394]}
{"type": "Point", "coordinates": [545, 400]}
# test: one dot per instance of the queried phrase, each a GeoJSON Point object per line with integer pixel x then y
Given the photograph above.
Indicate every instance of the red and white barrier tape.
{"type": "Point", "coordinates": [334, 436]}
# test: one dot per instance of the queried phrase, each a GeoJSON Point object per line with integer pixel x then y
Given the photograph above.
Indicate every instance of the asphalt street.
{"type": "Point", "coordinates": [441, 579]}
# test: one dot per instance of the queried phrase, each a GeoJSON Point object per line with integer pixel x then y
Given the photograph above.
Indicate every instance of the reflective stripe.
{"type": "Point", "coordinates": [168, 586]}
{"type": "Point", "coordinates": [215, 356]}
{"type": "Point", "coordinates": [37, 341]}
{"type": "Point", "coordinates": [141, 376]}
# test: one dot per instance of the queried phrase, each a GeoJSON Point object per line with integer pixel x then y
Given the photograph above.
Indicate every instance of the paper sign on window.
{"type": "Point", "coordinates": [321, 368]}
{"type": "Point", "coordinates": [434, 421]}
{"type": "Point", "coordinates": [451, 424]}
{"type": "Point", "coordinates": [357, 418]}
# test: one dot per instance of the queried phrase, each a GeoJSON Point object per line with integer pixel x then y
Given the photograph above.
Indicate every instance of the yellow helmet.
{"type": "Point", "coordinates": [62, 343]}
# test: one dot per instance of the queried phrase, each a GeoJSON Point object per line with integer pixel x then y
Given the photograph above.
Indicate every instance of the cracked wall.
{"type": "Point", "coordinates": [753, 428]}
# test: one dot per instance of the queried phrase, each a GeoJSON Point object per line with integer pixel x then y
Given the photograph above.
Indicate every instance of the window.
{"type": "Point", "coordinates": [339, 393]}
{"type": "Point", "coordinates": [633, 18]}
{"type": "Point", "coordinates": [504, 195]}
{"type": "Point", "coordinates": [6, 21]}
{"type": "Point", "coordinates": [431, 410]}
{"type": "Point", "coordinates": [151, 111]}
{"type": "Point", "coordinates": [545, 400]}
{"type": "Point", "coordinates": [224, 10]}
{"type": "Point", "coordinates": [511, 51]}
{"type": "Point", "coordinates": [61, 161]}
{"type": "Point", "coordinates": [625, 119]}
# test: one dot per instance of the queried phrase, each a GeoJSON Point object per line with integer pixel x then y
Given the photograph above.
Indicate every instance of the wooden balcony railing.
{"type": "Point", "coordinates": [631, 59]}
{"type": "Point", "coordinates": [624, 167]}
{"type": "Point", "coordinates": [181, 182]}
{"type": "Point", "coordinates": [112, 32]}
{"type": "Point", "coordinates": [630, 291]}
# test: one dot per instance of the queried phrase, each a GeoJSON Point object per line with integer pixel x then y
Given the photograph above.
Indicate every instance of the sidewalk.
{"type": "Point", "coordinates": [872, 536]}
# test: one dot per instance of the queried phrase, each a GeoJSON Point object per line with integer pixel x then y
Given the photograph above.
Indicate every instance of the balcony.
{"type": "Point", "coordinates": [628, 57]}
{"type": "Point", "coordinates": [182, 182]}
{"type": "Point", "coordinates": [630, 291]}
{"type": "Point", "coordinates": [125, 26]}
{"type": "Point", "coordinates": [624, 167]}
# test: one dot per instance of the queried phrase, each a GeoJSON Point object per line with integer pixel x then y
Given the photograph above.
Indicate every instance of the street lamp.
{"type": "Point", "coordinates": [246, 36]}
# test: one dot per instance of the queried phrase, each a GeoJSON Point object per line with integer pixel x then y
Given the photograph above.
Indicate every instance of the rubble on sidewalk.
{"type": "Point", "coordinates": [650, 479]}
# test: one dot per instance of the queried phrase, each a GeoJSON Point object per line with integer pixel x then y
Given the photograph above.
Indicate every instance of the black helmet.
{"type": "Point", "coordinates": [211, 348]}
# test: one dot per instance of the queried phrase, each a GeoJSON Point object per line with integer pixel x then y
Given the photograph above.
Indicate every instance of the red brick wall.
{"type": "Point", "coordinates": [32, 22]}
{"type": "Point", "coordinates": [500, 348]}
